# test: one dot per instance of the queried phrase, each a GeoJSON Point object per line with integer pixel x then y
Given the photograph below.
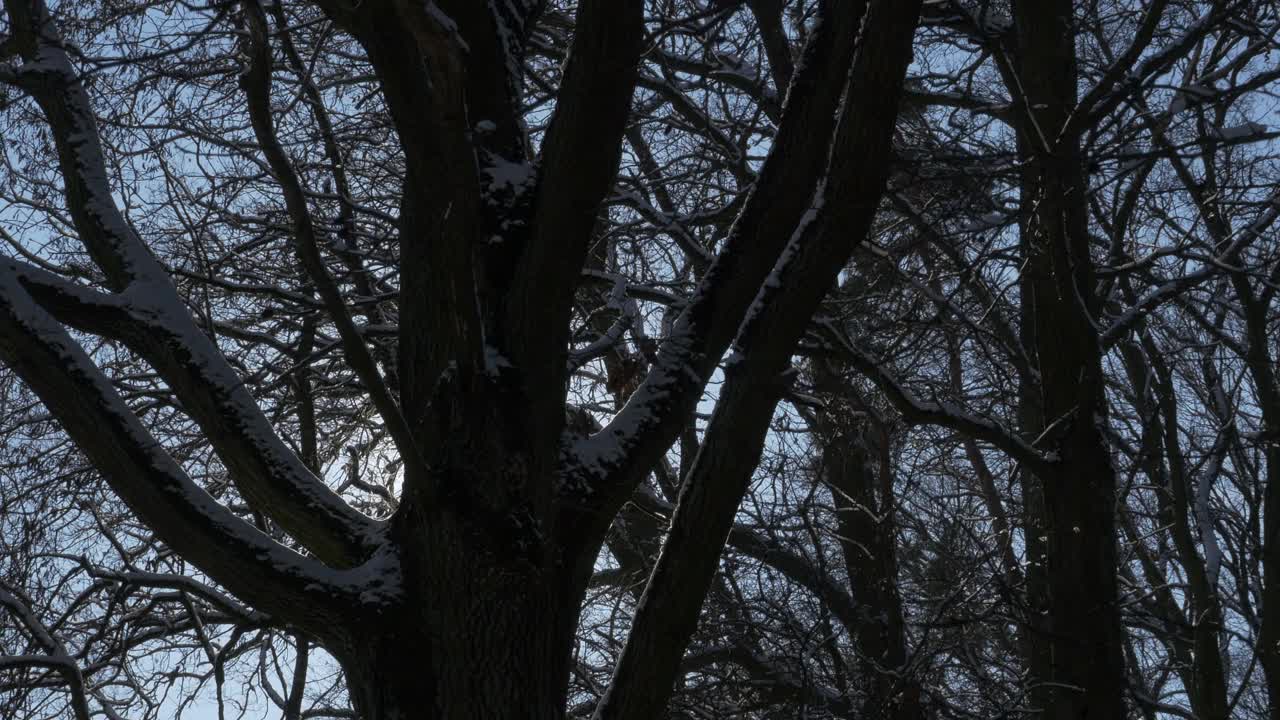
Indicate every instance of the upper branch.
{"type": "Point", "coordinates": [1128, 72]}
{"type": "Point", "coordinates": [654, 414]}
{"type": "Point", "coordinates": [918, 411]}
{"type": "Point", "coordinates": [257, 85]}
{"type": "Point", "coordinates": [756, 373]}
{"type": "Point", "coordinates": [268, 474]}
{"type": "Point", "coordinates": [579, 160]}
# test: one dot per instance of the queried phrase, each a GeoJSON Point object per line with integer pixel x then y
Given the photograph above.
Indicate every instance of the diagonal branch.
{"type": "Point", "coordinates": [1127, 73]}
{"type": "Point", "coordinates": [756, 373]}
{"type": "Point", "coordinates": [579, 161]}
{"type": "Point", "coordinates": [256, 82]}
{"type": "Point", "coordinates": [1124, 64]}
{"type": "Point", "coordinates": [235, 554]}
{"type": "Point", "coordinates": [636, 437]}
{"type": "Point", "coordinates": [268, 474]}
{"type": "Point", "coordinates": [419, 54]}
{"type": "Point", "coordinates": [917, 411]}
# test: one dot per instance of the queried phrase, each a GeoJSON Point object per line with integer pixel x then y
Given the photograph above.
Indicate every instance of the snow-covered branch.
{"type": "Point", "coordinates": [268, 473]}
{"type": "Point", "coordinates": [155, 486]}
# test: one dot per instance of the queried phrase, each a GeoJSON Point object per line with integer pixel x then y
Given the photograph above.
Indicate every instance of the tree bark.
{"type": "Point", "coordinates": [1076, 655]}
{"type": "Point", "coordinates": [490, 649]}
{"type": "Point", "coordinates": [855, 459]}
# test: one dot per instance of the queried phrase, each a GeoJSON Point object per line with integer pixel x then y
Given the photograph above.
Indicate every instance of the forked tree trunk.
{"type": "Point", "coordinates": [463, 605]}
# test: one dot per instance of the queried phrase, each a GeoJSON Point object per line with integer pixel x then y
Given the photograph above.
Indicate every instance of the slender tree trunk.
{"type": "Point", "coordinates": [855, 459]}
{"type": "Point", "coordinates": [869, 542]}
{"type": "Point", "coordinates": [1077, 659]}
{"type": "Point", "coordinates": [1269, 637]}
{"type": "Point", "coordinates": [1205, 677]}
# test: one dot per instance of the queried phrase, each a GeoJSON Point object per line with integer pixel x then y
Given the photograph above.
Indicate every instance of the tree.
{"type": "Point", "coordinates": [503, 504]}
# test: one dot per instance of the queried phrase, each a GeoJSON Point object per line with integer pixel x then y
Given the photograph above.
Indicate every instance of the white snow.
{"type": "Point", "coordinates": [504, 175]}
{"type": "Point", "coordinates": [1240, 132]}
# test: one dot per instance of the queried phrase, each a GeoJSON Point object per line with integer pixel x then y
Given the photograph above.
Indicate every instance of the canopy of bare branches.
{"type": "Point", "coordinates": [633, 359]}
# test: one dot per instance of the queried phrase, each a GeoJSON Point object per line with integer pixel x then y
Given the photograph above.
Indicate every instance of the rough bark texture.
{"type": "Point", "coordinates": [495, 645]}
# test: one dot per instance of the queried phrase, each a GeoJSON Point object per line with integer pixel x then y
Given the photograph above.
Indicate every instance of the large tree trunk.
{"type": "Point", "coordinates": [495, 662]}
{"type": "Point", "coordinates": [464, 603]}
{"type": "Point", "coordinates": [477, 638]}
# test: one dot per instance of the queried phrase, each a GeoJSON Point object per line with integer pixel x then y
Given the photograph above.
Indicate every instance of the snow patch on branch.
{"type": "Point", "coordinates": [1240, 132]}
{"type": "Point", "coordinates": [155, 474]}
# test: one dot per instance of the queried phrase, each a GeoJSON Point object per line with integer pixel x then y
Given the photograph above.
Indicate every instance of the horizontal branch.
{"type": "Point", "coordinates": [917, 411]}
